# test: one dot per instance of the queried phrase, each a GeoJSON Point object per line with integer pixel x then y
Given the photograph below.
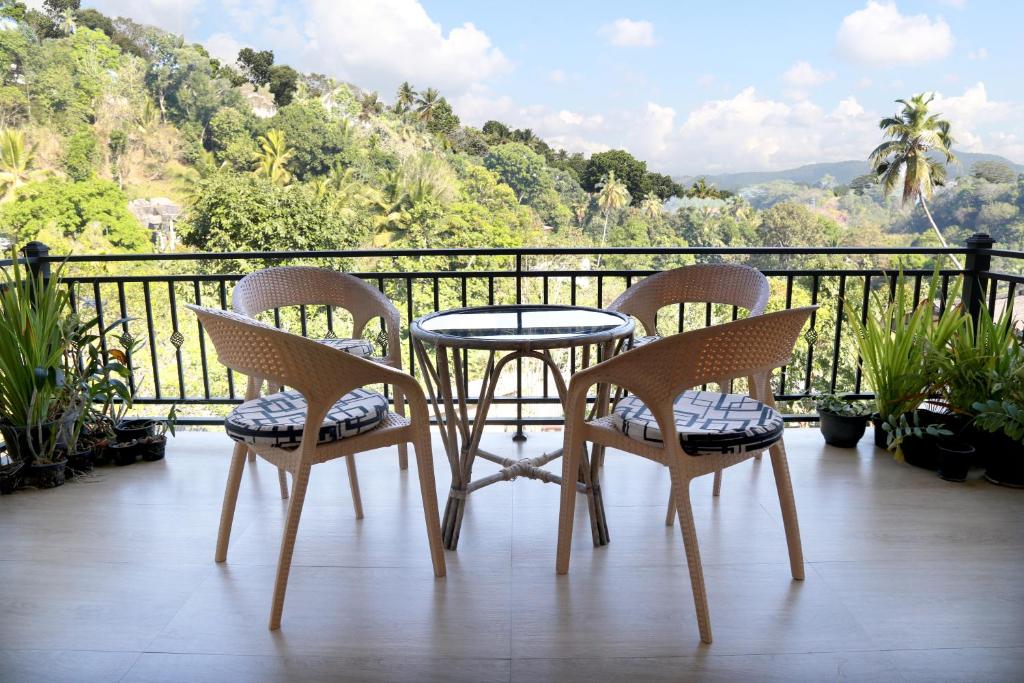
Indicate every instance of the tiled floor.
{"type": "Point", "coordinates": [909, 578]}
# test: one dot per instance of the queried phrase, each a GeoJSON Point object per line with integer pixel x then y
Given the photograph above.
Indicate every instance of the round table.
{"type": "Point", "coordinates": [517, 331]}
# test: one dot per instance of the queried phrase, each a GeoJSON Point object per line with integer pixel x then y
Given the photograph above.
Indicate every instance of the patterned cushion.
{"type": "Point", "coordinates": [356, 347]}
{"type": "Point", "coordinates": [277, 419]}
{"type": "Point", "coordinates": [707, 422]}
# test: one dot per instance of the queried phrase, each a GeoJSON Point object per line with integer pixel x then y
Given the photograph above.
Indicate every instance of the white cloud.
{"type": "Point", "coordinates": [880, 36]}
{"type": "Point", "coordinates": [171, 15]}
{"type": "Point", "coordinates": [803, 75]}
{"type": "Point", "coordinates": [628, 33]}
{"type": "Point", "coordinates": [223, 47]}
{"type": "Point", "coordinates": [379, 43]}
{"type": "Point", "coordinates": [970, 113]}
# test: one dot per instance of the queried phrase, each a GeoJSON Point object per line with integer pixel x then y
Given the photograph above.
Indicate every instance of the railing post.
{"type": "Point", "coordinates": [519, 435]}
{"type": "Point", "coordinates": [37, 254]}
{"type": "Point", "coordinates": [976, 267]}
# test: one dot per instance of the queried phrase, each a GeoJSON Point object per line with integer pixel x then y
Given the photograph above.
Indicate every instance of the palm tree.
{"type": "Point", "coordinates": [274, 154]}
{"type": "Point", "coordinates": [405, 97]}
{"type": "Point", "coordinates": [369, 106]}
{"type": "Point", "coordinates": [426, 103]}
{"type": "Point", "coordinates": [612, 195]}
{"type": "Point", "coordinates": [66, 22]}
{"type": "Point", "coordinates": [16, 159]}
{"type": "Point", "coordinates": [651, 205]}
{"type": "Point", "coordinates": [915, 138]}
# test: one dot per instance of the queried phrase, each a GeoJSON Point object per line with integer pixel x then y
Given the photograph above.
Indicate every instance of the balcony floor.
{"type": "Point", "coordinates": [908, 577]}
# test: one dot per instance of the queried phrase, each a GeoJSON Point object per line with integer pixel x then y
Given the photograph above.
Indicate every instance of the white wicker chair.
{"type": "Point", "coordinates": [658, 375]}
{"type": "Point", "coordinates": [285, 286]}
{"type": "Point", "coordinates": [322, 379]}
{"type": "Point", "coordinates": [710, 283]}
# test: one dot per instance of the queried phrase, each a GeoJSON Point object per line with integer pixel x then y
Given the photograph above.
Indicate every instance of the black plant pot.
{"type": "Point", "coordinates": [10, 477]}
{"type": "Point", "coordinates": [24, 443]}
{"type": "Point", "coordinates": [79, 462]}
{"type": "Point", "coordinates": [923, 451]}
{"type": "Point", "coordinates": [124, 453]}
{"type": "Point", "coordinates": [843, 431]}
{"type": "Point", "coordinates": [881, 437]}
{"type": "Point", "coordinates": [954, 459]}
{"type": "Point", "coordinates": [153, 448]}
{"type": "Point", "coordinates": [47, 476]}
{"type": "Point", "coordinates": [1005, 461]}
{"type": "Point", "coordinates": [130, 430]}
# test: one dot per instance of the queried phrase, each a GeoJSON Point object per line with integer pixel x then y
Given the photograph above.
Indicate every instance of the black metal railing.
{"type": "Point", "coordinates": [176, 365]}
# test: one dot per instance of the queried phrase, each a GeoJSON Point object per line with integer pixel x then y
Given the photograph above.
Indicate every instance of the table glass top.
{"type": "Point", "coordinates": [518, 323]}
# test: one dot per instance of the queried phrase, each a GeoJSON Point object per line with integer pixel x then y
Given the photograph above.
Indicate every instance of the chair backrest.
{"type": "Point", "coordinates": [749, 348]}
{"type": "Point", "coordinates": [284, 286]}
{"type": "Point", "coordinates": [717, 283]}
{"type": "Point", "coordinates": [318, 372]}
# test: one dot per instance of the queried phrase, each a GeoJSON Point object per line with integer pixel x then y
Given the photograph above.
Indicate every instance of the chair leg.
{"type": "Point", "coordinates": [670, 513]}
{"type": "Point", "coordinates": [716, 489]}
{"type": "Point", "coordinates": [681, 492]}
{"type": "Point", "coordinates": [227, 511]}
{"type": "Point", "coordinates": [567, 512]}
{"type": "Point", "coordinates": [403, 448]}
{"type": "Point", "coordinates": [780, 467]}
{"type": "Point", "coordinates": [428, 492]}
{"type": "Point", "coordinates": [282, 481]}
{"type": "Point", "coordinates": [252, 456]}
{"type": "Point", "coordinates": [284, 561]}
{"type": "Point", "coordinates": [353, 484]}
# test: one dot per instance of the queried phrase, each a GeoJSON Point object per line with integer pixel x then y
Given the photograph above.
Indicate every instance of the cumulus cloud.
{"type": "Point", "coordinates": [970, 113]}
{"type": "Point", "coordinates": [803, 75]}
{"type": "Point", "coordinates": [171, 15]}
{"type": "Point", "coordinates": [628, 33]}
{"type": "Point", "coordinates": [223, 47]}
{"type": "Point", "coordinates": [880, 36]}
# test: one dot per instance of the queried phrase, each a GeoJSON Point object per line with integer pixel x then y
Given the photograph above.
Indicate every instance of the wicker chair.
{"type": "Point", "coordinates": [715, 283]}
{"type": "Point", "coordinates": [328, 415]}
{"type": "Point", "coordinates": [693, 433]}
{"type": "Point", "coordinates": [273, 288]}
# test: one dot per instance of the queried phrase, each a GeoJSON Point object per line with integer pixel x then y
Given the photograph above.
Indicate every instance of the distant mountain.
{"type": "Point", "coordinates": [842, 171]}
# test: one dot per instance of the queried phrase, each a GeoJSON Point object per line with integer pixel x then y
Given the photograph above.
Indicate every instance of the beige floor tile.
{"type": "Point", "coordinates": [64, 666]}
{"type": "Point", "coordinates": [974, 665]}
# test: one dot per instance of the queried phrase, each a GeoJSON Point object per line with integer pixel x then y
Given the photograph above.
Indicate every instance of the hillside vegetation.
{"type": "Point", "coordinates": [96, 111]}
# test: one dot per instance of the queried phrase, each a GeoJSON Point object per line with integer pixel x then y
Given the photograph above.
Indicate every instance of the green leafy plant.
{"type": "Point", "coordinates": [899, 427]}
{"type": "Point", "coordinates": [839, 404]}
{"type": "Point", "coordinates": [897, 338]}
{"type": "Point", "coordinates": [1001, 416]}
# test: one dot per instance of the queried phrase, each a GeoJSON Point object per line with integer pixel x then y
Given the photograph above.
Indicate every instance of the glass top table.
{"type": "Point", "coordinates": [519, 327]}
{"type": "Point", "coordinates": [516, 332]}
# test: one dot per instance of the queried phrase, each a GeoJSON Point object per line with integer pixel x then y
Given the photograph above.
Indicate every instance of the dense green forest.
{"type": "Point", "coordinates": [97, 111]}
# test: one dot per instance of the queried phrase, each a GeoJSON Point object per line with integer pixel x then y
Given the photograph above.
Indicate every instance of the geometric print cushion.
{"type": "Point", "coordinates": [277, 419]}
{"type": "Point", "coordinates": [707, 422]}
{"type": "Point", "coordinates": [356, 347]}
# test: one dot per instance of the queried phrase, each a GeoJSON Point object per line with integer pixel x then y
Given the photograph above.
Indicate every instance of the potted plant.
{"type": "Point", "coordinates": [36, 326]}
{"type": "Point", "coordinates": [1005, 420]}
{"type": "Point", "coordinates": [914, 428]}
{"type": "Point", "coordinates": [895, 343]}
{"type": "Point", "coordinates": [843, 420]}
{"type": "Point", "coordinates": [153, 447]}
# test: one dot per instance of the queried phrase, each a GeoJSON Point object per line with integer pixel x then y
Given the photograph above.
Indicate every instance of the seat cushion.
{"type": "Point", "coordinates": [356, 347]}
{"type": "Point", "coordinates": [707, 422]}
{"type": "Point", "coordinates": [277, 419]}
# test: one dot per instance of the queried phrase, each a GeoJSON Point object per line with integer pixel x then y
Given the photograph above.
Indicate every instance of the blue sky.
{"type": "Point", "coordinates": [691, 88]}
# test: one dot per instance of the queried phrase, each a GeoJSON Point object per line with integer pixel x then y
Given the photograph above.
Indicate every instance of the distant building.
{"type": "Point", "coordinates": [159, 215]}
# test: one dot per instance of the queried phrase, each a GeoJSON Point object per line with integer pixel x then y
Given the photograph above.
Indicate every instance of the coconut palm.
{"type": "Point", "coordinates": [66, 21]}
{"type": "Point", "coordinates": [908, 157]}
{"type": "Point", "coordinates": [369, 106]}
{"type": "Point", "coordinates": [405, 98]}
{"type": "Point", "coordinates": [426, 103]}
{"type": "Point", "coordinates": [16, 158]}
{"type": "Point", "coordinates": [274, 154]}
{"type": "Point", "coordinates": [612, 195]}
{"type": "Point", "coordinates": [651, 205]}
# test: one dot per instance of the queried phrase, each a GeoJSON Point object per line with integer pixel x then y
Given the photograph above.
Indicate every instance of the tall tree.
{"type": "Point", "coordinates": [915, 136]}
{"type": "Point", "coordinates": [256, 65]}
{"type": "Point", "coordinates": [405, 98]}
{"type": "Point", "coordinates": [612, 195]}
{"type": "Point", "coordinates": [627, 168]}
{"type": "Point", "coordinates": [274, 154]}
{"type": "Point", "coordinates": [284, 81]}
{"type": "Point", "coordinates": [426, 104]}
{"type": "Point", "coordinates": [370, 106]}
